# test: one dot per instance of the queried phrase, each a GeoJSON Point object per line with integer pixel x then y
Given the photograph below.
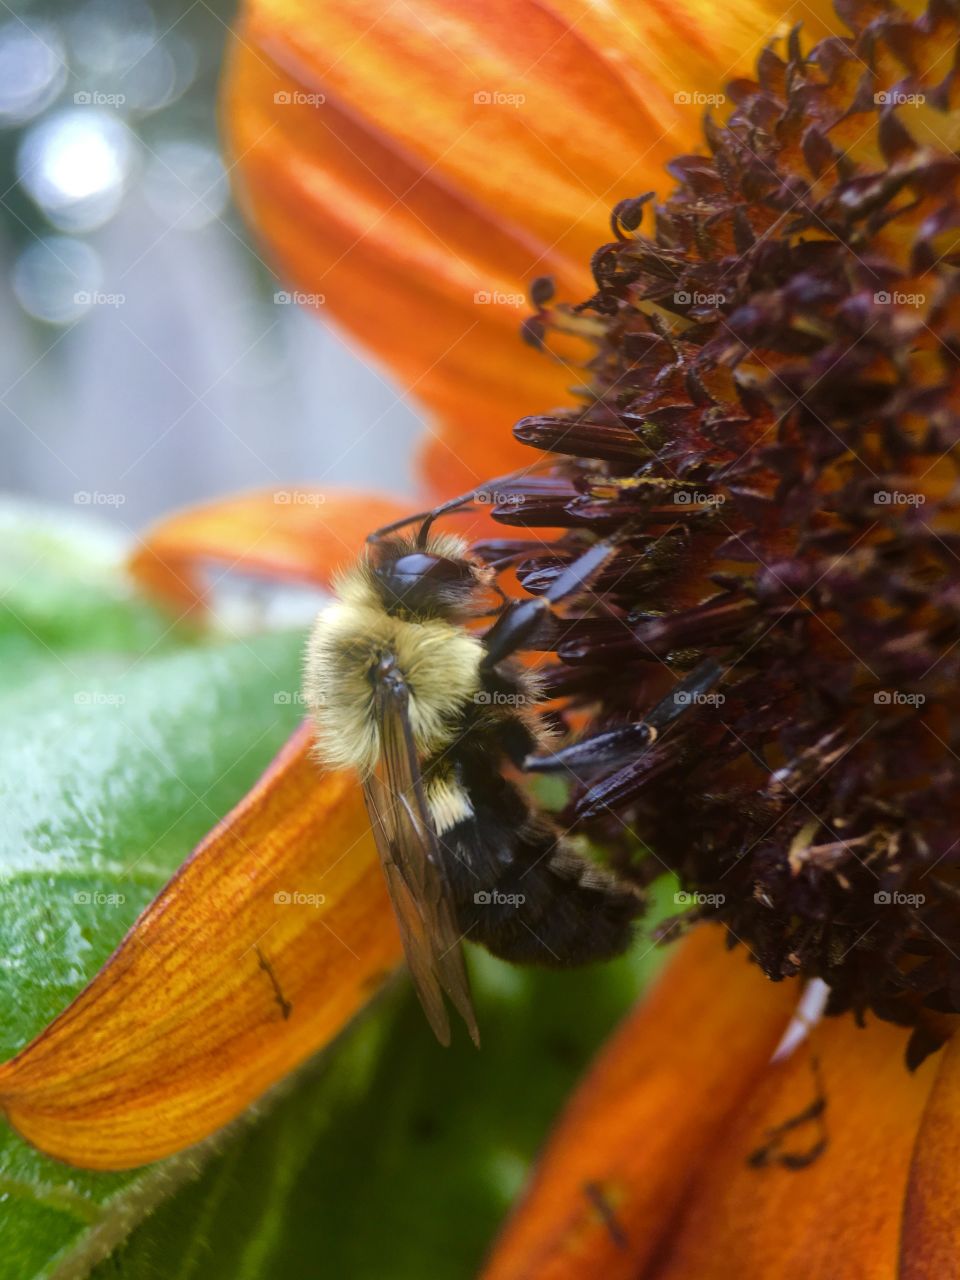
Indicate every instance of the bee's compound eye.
{"type": "Point", "coordinates": [414, 568]}
{"type": "Point", "coordinates": [421, 581]}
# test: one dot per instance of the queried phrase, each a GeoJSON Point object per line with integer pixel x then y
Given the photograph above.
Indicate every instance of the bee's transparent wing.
{"type": "Point", "coordinates": [411, 864]}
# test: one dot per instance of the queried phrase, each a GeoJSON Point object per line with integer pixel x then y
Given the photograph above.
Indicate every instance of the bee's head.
{"type": "Point", "coordinates": [428, 581]}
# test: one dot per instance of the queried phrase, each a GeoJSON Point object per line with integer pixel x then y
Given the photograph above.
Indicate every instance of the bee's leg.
{"type": "Point", "coordinates": [596, 753]}
{"type": "Point", "coordinates": [616, 745]}
{"type": "Point", "coordinates": [519, 622]}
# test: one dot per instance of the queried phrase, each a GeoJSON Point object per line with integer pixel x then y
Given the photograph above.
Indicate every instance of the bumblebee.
{"type": "Point", "coordinates": [438, 718]}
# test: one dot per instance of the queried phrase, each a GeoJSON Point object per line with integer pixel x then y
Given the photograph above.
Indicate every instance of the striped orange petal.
{"type": "Point", "coordinates": [412, 167]}
{"type": "Point", "coordinates": [836, 1218]}
{"type": "Point", "coordinates": [266, 942]}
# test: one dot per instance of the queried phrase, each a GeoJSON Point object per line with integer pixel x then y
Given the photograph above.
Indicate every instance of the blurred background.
{"type": "Point", "coordinates": [150, 358]}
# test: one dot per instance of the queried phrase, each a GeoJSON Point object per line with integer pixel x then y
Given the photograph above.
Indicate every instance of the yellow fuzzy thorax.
{"type": "Point", "coordinates": [440, 663]}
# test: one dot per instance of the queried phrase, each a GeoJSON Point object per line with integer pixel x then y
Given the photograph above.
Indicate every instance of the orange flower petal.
{"type": "Point", "coordinates": [688, 1155]}
{"type": "Point", "coordinates": [626, 1149]}
{"type": "Point", "coordinates": [222, 986]}
{"type": "Point", "coordinates": [839, 1218]}
{"type": "Point", "coordinates": [299, 535]}
{"type": "Point", "coordinates": [398, 255]}
{"type": "Point", "coordinates": [399, 161]}
{"type": "Point", "coordinates": [930, 1239]}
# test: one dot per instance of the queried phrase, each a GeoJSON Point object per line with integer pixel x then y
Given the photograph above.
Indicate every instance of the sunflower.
{"type": "Point", "coordinates": [766, 369]}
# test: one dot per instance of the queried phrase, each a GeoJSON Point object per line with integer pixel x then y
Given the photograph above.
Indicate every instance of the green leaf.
{"type": "Point", "coordinates": [112, 767]}
{"type": "Point", "coordinates": [63, 591]}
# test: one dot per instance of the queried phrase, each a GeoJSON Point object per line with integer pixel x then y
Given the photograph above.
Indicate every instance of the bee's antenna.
{"type": "Point", "coordinates": [452, 504]}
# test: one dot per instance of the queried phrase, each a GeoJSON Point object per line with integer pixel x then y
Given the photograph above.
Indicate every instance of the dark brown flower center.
{"type": "Point", "coordinates": [771, 437]}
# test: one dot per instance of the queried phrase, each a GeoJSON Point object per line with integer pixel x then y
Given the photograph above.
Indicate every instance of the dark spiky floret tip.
{"type": "Point", "coordinates": [770, 435]}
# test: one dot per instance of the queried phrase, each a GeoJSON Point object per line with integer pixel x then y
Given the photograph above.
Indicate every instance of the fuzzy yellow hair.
{"type": "Point", "coordinates": [440, 663]}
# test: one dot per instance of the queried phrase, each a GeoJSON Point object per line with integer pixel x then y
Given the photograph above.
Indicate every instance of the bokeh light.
{"type": "Point", "coordinates": [75, 164]}
{"type": "Point", "coordinates": [33, 70]}
{"type": "Point", "coordinates": [56, 278]}
{"type": "Point", "coordinates": [101, 103]}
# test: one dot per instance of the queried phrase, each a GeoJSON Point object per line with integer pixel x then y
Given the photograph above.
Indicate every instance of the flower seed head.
{"type": "Point", "coordinates": [770, 434]}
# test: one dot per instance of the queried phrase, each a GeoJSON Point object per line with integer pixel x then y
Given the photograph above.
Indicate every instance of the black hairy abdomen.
{"type": "Point", "coordinates": [526, 896]}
